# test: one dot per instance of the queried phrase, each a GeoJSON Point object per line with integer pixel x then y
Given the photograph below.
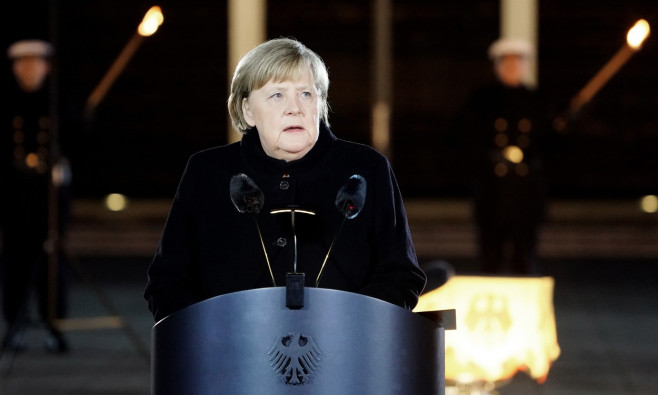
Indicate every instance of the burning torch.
{"type": "Point", "coordinates": [149, 25]}
{"type": "Point", "coordinates": [634, 40]}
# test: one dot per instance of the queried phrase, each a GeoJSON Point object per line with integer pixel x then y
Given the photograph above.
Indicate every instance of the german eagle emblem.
{"type": "Point", "coordinates": [295, 357]}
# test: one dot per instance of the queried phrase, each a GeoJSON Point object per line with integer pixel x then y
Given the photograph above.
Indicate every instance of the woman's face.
{"type": "Point", "coordinates": [286, 114]}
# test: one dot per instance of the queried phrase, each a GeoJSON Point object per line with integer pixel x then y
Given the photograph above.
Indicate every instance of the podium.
{"type": "Point", "coordinates": [249, 342]}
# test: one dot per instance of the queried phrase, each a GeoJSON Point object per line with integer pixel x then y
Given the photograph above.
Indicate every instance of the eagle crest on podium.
{"type": "Point", "coordinates": [295, 357]}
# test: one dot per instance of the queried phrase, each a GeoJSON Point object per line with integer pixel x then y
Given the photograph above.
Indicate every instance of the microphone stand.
{"type": "Point", "coordinates": [294, 280]}
{"type": "Point", "coordinates": [262, 244]}
{"type": "Point", "coordinates": [349, 202]}
{"type": "Point", "coordinates": [326, 257]}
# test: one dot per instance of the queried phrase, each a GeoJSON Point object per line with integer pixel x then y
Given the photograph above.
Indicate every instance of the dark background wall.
{"type": "Point", "coordinates": [170, 100]}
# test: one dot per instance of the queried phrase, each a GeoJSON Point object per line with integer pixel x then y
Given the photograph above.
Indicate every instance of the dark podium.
{"type": "Point", "coordinates": [249, 342]}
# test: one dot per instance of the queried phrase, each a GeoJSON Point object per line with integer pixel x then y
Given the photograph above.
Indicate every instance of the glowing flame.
{"type": "Point", "coordinates": [152, 20]}
{"type": "Point", "coordinates": [504, 325]}
{"type": "Point", "coordinates": [637, 34]}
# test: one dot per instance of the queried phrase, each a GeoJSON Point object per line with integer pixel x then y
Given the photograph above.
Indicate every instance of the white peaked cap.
{"type": "Point", "coordinates": [30, 48]}
{"type": "Point", "coordinates": [510, 46]}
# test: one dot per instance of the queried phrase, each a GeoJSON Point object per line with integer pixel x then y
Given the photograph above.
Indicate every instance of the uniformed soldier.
{"type": "Point", "coordinates": [505, 127]}
{"type": "Point", "coordinates": [28, 156]}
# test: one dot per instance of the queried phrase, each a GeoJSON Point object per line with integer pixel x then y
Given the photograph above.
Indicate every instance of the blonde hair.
{"type": "Point", "coordinates": [279, 59]}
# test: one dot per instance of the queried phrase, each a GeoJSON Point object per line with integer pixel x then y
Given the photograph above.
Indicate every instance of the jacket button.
{"type": "Point", "coordinates": [283, 185]}
{"type": "Point", "coordinates": [281, 242]}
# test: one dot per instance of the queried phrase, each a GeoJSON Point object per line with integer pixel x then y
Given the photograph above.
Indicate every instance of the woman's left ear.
{"type": "Point", "coordinates": [247, 114]}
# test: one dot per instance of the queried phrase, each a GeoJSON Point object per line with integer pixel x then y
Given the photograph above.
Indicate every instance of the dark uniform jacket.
{"type": "Point", "coordinates": [209, 248]}
{"type": "Point", "coordinates": [25, 148]}
{"type": "Point", "coordinates": [26, 153]}
{"type": "Point", "coordinates": [507, 193]}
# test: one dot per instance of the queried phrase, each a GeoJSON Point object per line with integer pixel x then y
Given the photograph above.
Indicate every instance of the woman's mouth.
{"type": "Point", "coordinates": [293, 128]}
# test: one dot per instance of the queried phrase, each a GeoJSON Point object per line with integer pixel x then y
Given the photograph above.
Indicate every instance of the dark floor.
{"type": "Point", "coordinates": [110, 341]}
{"type": "Point", "coordinates": [606, 313]}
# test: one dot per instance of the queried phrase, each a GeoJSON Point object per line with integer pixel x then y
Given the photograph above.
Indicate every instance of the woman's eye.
{"type": "Point", "coordinates": [306, 94]}
{"type": "Point", "coordinates": [277, 95]}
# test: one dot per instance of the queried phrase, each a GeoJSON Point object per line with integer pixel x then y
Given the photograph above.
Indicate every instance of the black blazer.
{"type": "Point", "coordinates": [209, 248]}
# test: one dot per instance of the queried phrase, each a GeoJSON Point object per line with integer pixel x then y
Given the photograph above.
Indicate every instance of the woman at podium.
{"type": "Point", "coordinates": [289, 198]}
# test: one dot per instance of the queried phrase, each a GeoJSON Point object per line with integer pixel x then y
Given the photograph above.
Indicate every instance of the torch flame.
{"type": "Point", "coordinates": [152, 20]}
{"type": "Point", "coordinates": [637, 34]}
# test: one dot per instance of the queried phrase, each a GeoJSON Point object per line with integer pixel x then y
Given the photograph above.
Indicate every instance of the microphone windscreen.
{"type": "Point", "coordinates": [351, 197]}
{"type": "Point", "coordinates": [245, 194]}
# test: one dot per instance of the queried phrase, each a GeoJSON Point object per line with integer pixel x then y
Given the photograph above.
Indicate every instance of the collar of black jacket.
{"type": "Point", "coordinates": [252, 151]}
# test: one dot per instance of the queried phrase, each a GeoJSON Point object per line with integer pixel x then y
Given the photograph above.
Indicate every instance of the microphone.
{"type": "Point", "coordinates": [248, 198]}
{"type": "Point", "coordinates": [245, 194]}
{"type": "Point", "coordinates": [350, 199]}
